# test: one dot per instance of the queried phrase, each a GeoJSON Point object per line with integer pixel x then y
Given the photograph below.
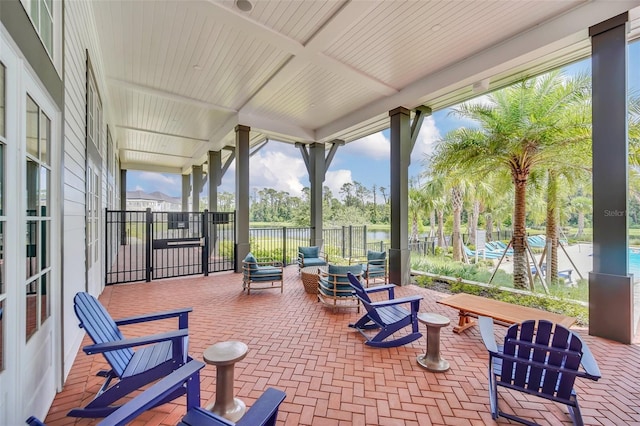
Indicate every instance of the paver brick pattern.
{"type": "Point", "coordinates": [331, 378]}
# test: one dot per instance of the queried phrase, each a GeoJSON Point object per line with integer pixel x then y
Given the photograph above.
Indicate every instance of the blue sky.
{"type": "Point", "coordinates": [280, 165]}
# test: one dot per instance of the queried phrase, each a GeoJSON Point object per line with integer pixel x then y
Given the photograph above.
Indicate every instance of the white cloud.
{"type": "Point", "coordinates": [335, 179]}
{"type": "Point", "coordinates": [427, 137]}
{"type": "Point", "coordinates": [139, 188]}
{"type": "Point", "coordinates": [374, 146]}
{"type": "Point", "coordinates": [277, 170]}
{"type": "Point", "coordinates": [480, 100]}
{"type": "Point", "coordinates": [158, 178]}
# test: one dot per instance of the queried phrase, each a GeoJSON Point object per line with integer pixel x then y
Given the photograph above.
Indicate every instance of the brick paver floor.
{"type": "Point", "coordinates": [330, 377]}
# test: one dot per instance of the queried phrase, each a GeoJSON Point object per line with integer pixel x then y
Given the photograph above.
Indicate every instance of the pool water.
{"type": "Point", "coordinates": [634, 262]}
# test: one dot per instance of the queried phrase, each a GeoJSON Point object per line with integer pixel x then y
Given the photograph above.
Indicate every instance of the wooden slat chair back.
{"type": "Point", "coordinates": [157, 355]}
{"type": "Point", "coordinates": [538, 358]}
{"type": "Point", "coordinates": [387, 316]}
{"type": "Point", "coordinates": [101, 328]}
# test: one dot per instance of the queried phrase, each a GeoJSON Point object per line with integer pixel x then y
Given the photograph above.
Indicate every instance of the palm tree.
{"type": "Point", "coordinates": [417, 204]}
{"type": "Point", "coordinates": [581, 205]}
{"type": "Point", "coordinates": [522, 127]}
{"type": "Point", "coordinates": [436, 201]}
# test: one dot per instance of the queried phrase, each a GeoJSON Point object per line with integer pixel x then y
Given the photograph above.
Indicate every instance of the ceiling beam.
{"type": "Point", "coordinates": [312, 52]}
{"type": "Point", "coordinates": [267, 125]}
{"type": "Point", "coordinates": [152, 91]}
{"type": "Point", "coordinates": [162, 154]}
{"type": "Point", "coordinates": [146, 167]}
{"type": "Point", "coordinates": [153, 132]}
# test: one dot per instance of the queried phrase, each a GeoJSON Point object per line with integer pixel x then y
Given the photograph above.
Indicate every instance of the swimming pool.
{"type": "Point", "coordinates": [634, 262]}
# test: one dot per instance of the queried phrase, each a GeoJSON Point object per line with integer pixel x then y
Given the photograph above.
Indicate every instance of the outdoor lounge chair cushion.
{"type": "Point", "coordinates": [266, 273]}
{"type": "Point", "coordinates": [251, 260]}
{"type": "Point", "coordinates": [310, 256]}
{"type": "Point", "coordinates": [375, 266]}
{"type": "Point", "coordinates": [309, 252]}
{"type": "Point", "coordinates": [337, 274]}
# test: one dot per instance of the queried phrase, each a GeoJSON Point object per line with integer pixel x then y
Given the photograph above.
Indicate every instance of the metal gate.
{"type": "Point", "coordinates": [146, 245]}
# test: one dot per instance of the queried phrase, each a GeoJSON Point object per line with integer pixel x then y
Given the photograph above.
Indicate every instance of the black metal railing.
{"type": "Point", "coordinates": [143, 245]}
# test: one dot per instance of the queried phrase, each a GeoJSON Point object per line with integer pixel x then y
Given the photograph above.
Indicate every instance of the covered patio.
{"type": "Point", "coordinates": [330, 376]}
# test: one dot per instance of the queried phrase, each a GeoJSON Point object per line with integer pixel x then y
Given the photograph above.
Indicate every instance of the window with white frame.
{"type": "Point", "coordinates": [94, 113]}
{"type": "Point", "coordinates": [41, 14]}
{"type": "Point", "coordinates": [94, 167]}
{"type": "Point", "coordinates": [38, 217]}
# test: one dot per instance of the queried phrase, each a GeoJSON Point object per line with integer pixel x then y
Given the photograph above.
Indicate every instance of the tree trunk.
{"type": "Point", "coordinates": [432, 224]}
{"type": "Point", "coordinates": [489, 218]}
{"type": "Point", "coordinates": [520, 264]}
{"type": "Point", "coordinates": [473, 222]}
{"type": "Point", "coordinates": [456, 201]}
{"type": "Point", "coordinates": [414, 228]}
{"type": "Point", "coordinates": [441, 242]}
{"type": "Point", "coordinates": [552, 223]}
{"type": "Point", "coordinates": [580, 225]}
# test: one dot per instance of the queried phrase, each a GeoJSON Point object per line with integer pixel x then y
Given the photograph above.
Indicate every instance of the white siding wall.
{"type": "Point", "coordinates": [80, 37]}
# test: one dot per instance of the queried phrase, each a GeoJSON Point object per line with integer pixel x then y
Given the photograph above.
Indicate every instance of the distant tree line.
{"type": "Point", "coordinates": [358, 205]}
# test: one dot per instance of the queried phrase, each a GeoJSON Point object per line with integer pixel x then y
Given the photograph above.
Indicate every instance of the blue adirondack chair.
{"type": "Point", "coordinates": [158, 355]}
{"type": "Point", "coordinates": [386, 316]}
{"type": "Point", "coordinates": [186, 379]}
{"type": "Point", "coordinates": [542, 361]}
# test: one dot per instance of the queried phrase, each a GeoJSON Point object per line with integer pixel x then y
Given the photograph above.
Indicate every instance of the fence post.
{"type": "Point", "coordinates": [364, 239]}
{"type": "Point", "coordinates": [205, 246]}
{"type": "Point", "coordinates": [344, 242]}
{"type": "Point", "coordinates": [350, 241]}
{"type": "Point", "coordinates": [284, 246]}
{"type": "Point", "coordinates": [149, 229]}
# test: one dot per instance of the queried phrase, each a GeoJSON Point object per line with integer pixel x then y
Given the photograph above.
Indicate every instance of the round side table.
{"type": "Point", "coordinates": [224, 355]}
{"type": "Point", "coordinates": [432, 360]}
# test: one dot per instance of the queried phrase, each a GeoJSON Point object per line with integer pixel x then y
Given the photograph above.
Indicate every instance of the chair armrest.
{"type": "Point", "coordinates": [182, 313]}
{"type": "Point", "coordinates": [264, 410]}
{"type": "Point", "coordinates": [487, 333]}
{"type": "Point", "coordinates": [588, 362]}
{"type": "Point", "coordinates": [135, 341]}
{"type": "Point", "coordinates": [380, 288]}
{"type": "Point", "coordinates": [399, 301]}
{"type": "Point", "coordinates": [189, 373]}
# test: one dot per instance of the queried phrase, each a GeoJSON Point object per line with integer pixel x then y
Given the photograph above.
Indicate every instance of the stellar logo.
{"type": "Point", "coordinates": [614, 213]}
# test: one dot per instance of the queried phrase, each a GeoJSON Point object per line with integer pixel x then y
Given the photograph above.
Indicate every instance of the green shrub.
{"type": "Point", "coordinates": [562, 302]}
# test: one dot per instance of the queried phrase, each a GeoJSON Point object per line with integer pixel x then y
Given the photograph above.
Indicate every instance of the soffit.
{"type": "Point", "coordinates": [314, 70]}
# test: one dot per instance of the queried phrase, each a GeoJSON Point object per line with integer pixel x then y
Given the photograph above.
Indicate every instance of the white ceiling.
{"type": "Point", "coordinates": [181, 74]}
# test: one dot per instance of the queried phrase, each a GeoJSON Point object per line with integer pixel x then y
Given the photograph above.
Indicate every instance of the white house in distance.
{"type": "Point", "coordinates": [157, 201]}
{"type": "Point", "coordinates": [91, 89]}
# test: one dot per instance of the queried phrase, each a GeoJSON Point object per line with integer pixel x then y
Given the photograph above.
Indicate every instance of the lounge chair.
{"type": "Point", "coordinates": [263, 412]}
{"type": "Point", "coordinates": [334, 289]}
{"type": "Point", "coordinates": [158, 355]}
{"type": "Point", "coordinates": [565, 274]}
{"type": "Point", "coordinates": [374, 267]}
{"type": "Point", "coordinates": [262, 275]}
{"type": "Point", "coordinates": [386, 316]}
{"type": "Point", "coordinates": [538, 358]}
{"type": "Point", "coordinates": [537, 241]}
{"type": "Point", "coordinates": [501, 246]}
{"type": "Point", "coordinates": [483, 254]}
{"type": "Point", "coordinates": [311, 256]}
